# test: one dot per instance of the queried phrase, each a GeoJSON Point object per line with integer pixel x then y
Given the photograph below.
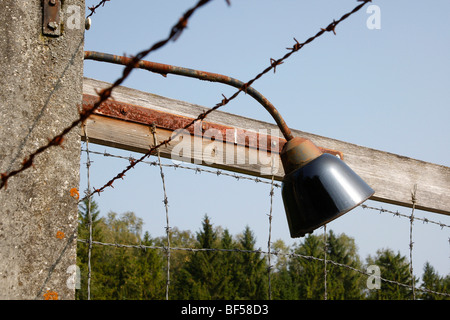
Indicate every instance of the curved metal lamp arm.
{"type": "Point", "coordinates": [165, 69]}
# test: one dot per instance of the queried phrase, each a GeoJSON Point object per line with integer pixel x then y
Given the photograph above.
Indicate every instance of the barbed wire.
{"type": "Point", "coordinates": [88, 209]}
{"type": "Point", "coordinates": [411, 243]}
{"type": "Point", "coordinates": [296, 47]}
{"type": "Point", "coordinates": [398, 214]}
{"type": "Point", "coordinates": [104, 95]}
{"type": "Point", "coordinates": [269, 241]}
{"type": "Point", "coordinates": [166, 206]}
{"type": "Point", "coordinates": [93, 8]}
{"type": "Point", "coordinates": [273, 64]}
{"type": "Point", "coordinates": [196, 169]}
{"type": "Point", "coordinates": [239, 177]}
{"type": "Point", "coordinates": [269, 253]}
{"type": "Point", "coordinates": [262, 252]}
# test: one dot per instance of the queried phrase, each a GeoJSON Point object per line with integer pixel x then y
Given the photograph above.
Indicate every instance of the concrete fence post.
{"type": "Point", "coordinates": [41, 77]}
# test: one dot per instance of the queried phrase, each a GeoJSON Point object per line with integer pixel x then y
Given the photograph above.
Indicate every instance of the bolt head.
{"type": "Point", "coordinates": [52, 25]}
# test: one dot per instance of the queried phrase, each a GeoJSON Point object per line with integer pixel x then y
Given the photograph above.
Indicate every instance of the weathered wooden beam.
{"type": "Point", "coordinates": [252, 147]}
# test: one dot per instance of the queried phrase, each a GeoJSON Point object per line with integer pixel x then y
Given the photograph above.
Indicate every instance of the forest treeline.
{"type": "Point", "coordinates": [141, 274]}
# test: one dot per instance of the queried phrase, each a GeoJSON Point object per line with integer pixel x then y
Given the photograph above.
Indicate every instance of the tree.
{"type": "Point", "coordinates": [432, 281]}
{"type": "Point", "coordinates": [282, 286]}
{"type": "Point", "coordinates": [229, 266]}
{"type": "Point", "coordinates": [394, 267]}
{"type": "Point", "coordinates": [308, 274]}
{"type": "Point", "coordinates": [119, 273]}
{"type": "Point", "coordinates": [342, 282]}
{"type": "Point", "coordinates": [83, 248]}
{"type": "Point", "coordinates": [178, 258]}
{"type": "Point", "coordinates": [151, 278]}
{"type": "Point", "coordinates": [251, 275]}
{"type": "Point", "coordinates": [83, 220]}
{"type": "Point", "coordinates": [200, 277]}
{"type": "Point", "coordinates": [214, 274]}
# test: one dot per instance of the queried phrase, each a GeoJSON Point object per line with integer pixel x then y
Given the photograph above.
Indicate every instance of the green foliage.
{"type": "Point", "coordinates": [432, 281]}
{"type": "Point", "coordinates": [393, 267]}
{"type": "Point", "coordinates": [302, 277]}
{"type": "Point", "coordinates": [238, 271]}
{"type": "Point", "coordinates": [118, 273]}
{"type": "Point", "coordinates": [222, 275]}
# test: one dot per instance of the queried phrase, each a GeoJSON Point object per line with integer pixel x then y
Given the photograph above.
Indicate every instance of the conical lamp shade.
{"type": "Point", "coordinates": [319, 192]}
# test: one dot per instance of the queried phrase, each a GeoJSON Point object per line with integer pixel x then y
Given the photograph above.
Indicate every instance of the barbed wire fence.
{"type": "Point", "coordinates": [273, 64]}
{"type": "Point", "coordinates": [269, 253]}
{"type": "Point", "coordinates": [105, 94]}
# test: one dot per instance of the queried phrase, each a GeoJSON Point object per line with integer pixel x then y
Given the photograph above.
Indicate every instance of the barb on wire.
{"type": "Point", "coordinates": [93, 8]}
{"type": "Point", "coordinates": [398, 214]}
{"type": "Point", "coordinates": [225, 101]}
{"type": "Point", "coordinates": [413, 200]}
{"type": "Point", "coordinates": [105, 94]}
{"type": "Point", "coordinates": [88, 166]}
{"type": "Point", "coordinates": [175, 166]}
{"type": "Point", "coordinates": [166, 205]}
{"type": "Point", "coordinates": [269, 241]}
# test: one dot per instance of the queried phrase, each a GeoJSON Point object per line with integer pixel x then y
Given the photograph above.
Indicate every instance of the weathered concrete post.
{"type": "Point", "coordinates": [41, 76]}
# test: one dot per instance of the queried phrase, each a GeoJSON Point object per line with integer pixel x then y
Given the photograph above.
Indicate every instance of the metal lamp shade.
{"type": "Point", "coordinates": [319, 192]}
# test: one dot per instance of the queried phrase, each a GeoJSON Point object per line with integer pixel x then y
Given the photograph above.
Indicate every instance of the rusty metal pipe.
{"type": "Point", "coordinates": [165, 69]}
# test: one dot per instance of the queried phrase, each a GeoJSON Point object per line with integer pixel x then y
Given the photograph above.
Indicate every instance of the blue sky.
{"type": "Point", "coordinates": [385, 89]}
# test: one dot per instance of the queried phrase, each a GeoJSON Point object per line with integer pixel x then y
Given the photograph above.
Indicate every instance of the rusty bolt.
{"type": "Point", "coordinates": [52, 2]}
{"type": "Point", "coordinates": [52, 25]}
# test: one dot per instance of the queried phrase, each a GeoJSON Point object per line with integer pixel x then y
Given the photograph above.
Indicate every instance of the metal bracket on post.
{"type": "Point", "coordinates": [51, 18]}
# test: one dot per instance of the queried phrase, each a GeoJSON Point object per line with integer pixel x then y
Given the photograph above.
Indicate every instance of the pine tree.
{"type": "Point", "coordinates": [343, 283]}
{"type": "Point", "coordinates": [431, 280]}
{"type": "Point", "coordinates": [393, 267]}
{"type": "Point", "coordinates": [308, 274]}
{"type": "Point", "coordinates": [252, 271]}
{"type": "Point", "coordinates": [118, 273]}
{"type": "Point", "coordinates": [83, 248]}
{"type": "Point", "coordinates": [282, 286]}
{"type": "Point", "coordinates": [200, 278]}
{"type": "Point", "coordinates": [229, 264]}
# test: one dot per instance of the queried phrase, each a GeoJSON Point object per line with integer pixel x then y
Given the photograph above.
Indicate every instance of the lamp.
{"type": "Point", "coordinates": [317, 187]}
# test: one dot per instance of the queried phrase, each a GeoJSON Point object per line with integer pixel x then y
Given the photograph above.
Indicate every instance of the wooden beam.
{"type": "Point", "coordinates": [252, 147]}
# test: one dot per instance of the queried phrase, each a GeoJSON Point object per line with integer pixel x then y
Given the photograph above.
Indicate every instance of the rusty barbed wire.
{"type": "Point", "coordinates": [276, 253]}
{"type": "Point", "coordinates": [105, 94]}
{"type": "Point", "coordinates": [93, 8]}
{"type": "Point", "coordinates": [297, 46]}
{"type": "Point", "coordinates": [102, 3]}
